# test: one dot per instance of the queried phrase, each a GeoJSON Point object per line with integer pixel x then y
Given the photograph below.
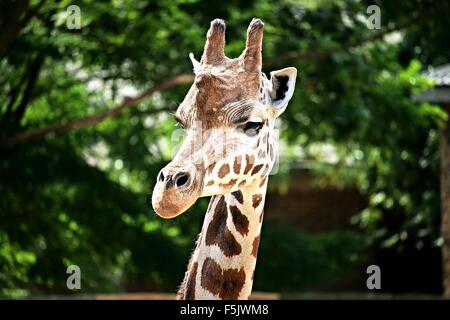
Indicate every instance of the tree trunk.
{"type": "Point", "coordinates": [445, 204]}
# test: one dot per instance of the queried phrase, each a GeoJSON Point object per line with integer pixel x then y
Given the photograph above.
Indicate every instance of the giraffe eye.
{"type": "Point", "coordinates": [252, 128]}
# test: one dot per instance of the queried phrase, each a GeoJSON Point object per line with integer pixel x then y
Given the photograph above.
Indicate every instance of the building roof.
{"type": "Point", "coordinates": [441, 92]}
{"type": "Point", "coordinates": [441, 75]}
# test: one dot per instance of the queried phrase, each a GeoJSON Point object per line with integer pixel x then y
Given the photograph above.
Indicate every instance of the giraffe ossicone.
{"type": "Point", "coordinates": [230, 148]}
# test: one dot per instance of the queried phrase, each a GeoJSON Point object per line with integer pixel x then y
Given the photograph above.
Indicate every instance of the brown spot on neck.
{"type": "Point", "coordinates": [255, 246]}
{"type": "Point", "coordinates": [256, 200]}
{"type": "Point", "coordinates": [265, 138]}
{"type": "Point", "coordinates": [228, 185]}
{"type": "Point", "coordinates": [250, 160]}
{"type": "Point", "coordinates": [237, 165]}
{"type": "Point", "coordinates": [218, 232]}
{"type": "Point", "coordinates": [257, 168]}
{"type": "Point", "coordinates": [240, 221]}
{"type": "Point", "coordinates": [224, 170]}
{"type": "Point", "coordinates": [190, 285]}
{"type": "Point", "coordinates": [210, 168]}
{"type": "Point", "coordinates": [227, 284]}
{"type": "Point", "coordinates": [271, 152]}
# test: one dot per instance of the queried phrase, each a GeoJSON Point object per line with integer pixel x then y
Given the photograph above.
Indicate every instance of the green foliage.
{"type": "Point", "coordinates": [290, 260]}
{"type": "Point", "coordinates": [83, 197]}
{"type": "Point", "coordinates": [396, 137]}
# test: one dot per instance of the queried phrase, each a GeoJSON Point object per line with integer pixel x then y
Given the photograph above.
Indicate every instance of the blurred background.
{"type": "Point", "coordinates": [86, 124]}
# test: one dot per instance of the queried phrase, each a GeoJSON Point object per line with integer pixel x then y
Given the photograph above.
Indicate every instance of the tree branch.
{"type": "Point", "coordinates": [15, 24]}
{"type": "Point", "coordinates": [37, 133]}
{"type": "Point", "coordinates": [14, 94]}
{"type": "Point", "coordinates": [33, 76]}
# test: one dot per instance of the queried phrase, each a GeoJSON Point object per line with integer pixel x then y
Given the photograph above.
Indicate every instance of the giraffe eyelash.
{"type": "Point", "coordinates": [252, 128]}
{"type": "Point", "coordinates": [179, 122]}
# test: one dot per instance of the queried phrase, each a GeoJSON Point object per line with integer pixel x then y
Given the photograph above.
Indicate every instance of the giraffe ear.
{"type": "Point", "coordinates": [281, 88]}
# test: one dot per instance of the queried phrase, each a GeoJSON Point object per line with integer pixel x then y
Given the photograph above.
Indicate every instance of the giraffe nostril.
{"type": "Point", "coordinates": [161, 177]}
{"type": "Point", "coordinates": [181, 179]}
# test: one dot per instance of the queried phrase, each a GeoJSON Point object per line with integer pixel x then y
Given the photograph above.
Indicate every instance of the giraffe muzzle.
{"type": "Point", "coordinates": [176, 189]}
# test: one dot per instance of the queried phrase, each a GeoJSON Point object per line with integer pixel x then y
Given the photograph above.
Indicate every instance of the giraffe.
{"type": "Point", "coordinates": [229, 150]}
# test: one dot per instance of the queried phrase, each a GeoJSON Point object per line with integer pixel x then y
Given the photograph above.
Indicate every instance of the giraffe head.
{"type": "Point", "coordinates": [228, 114]}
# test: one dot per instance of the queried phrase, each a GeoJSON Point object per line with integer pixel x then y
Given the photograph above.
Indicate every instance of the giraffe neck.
{"type": "Point", "coordinates": [223, 263]}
